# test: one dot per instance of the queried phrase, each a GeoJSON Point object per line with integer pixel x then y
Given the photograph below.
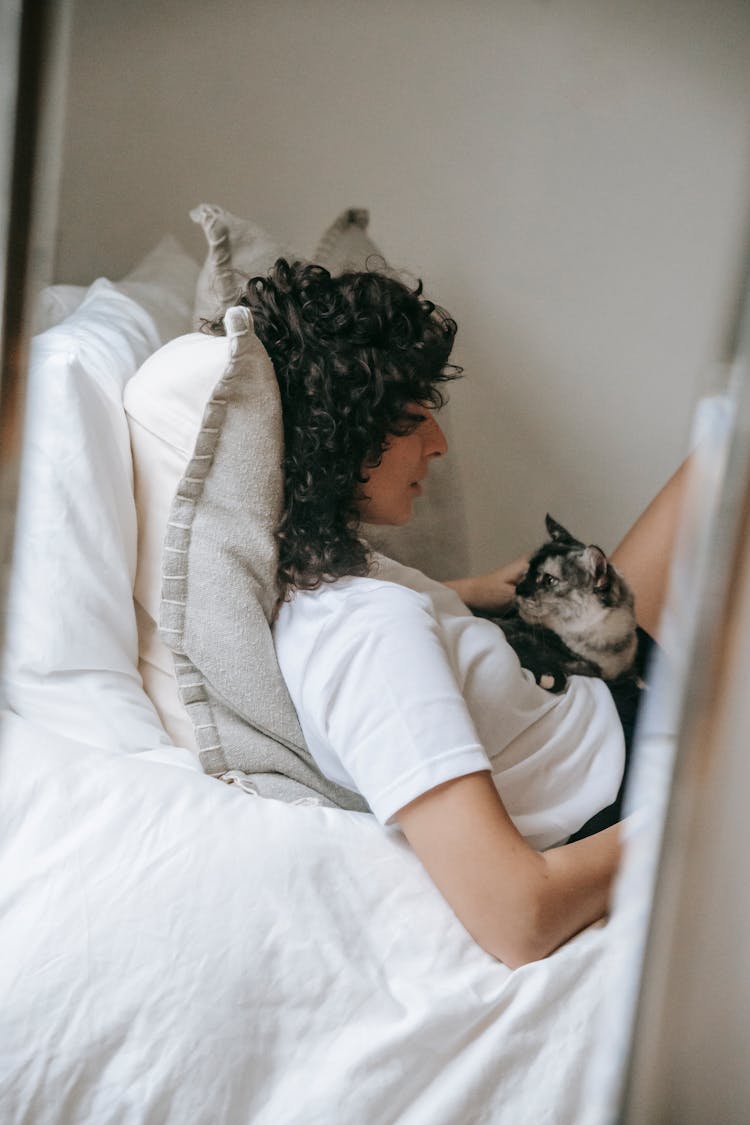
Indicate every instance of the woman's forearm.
{"type": "Point", "coordinates": [578, 881]}
{"type": "Point", "coordinates": [555, 895]}
{"type": "Point", "coordinates": [492, 592]}
{"type": "Point", "coordinates": [471, 591]}
{"type": "Point", "coordinates": [517, 903]}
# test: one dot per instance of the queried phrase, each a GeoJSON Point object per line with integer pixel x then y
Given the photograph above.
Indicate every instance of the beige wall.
{"type": "Point", "coordinates": [570, 178]}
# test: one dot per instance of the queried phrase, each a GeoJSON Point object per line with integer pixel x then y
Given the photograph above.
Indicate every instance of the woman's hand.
{"type": "Point", "coordinates": [492, 592]}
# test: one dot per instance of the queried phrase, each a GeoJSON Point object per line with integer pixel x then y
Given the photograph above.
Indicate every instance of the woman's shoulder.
{"type": "Point", "coordinates": [385, 569]}
{"type": "Point", "coordinates": [390, 590]}
{"type": "Point", "coordinates": [444, 600]}
{"type": "Point", "coordinates": [392, 583]}
{"type": "Point", "coordinates": [387, 583]}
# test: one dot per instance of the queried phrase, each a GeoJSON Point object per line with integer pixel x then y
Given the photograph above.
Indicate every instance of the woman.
{"type": "Point", "coordinates": [401, 692]}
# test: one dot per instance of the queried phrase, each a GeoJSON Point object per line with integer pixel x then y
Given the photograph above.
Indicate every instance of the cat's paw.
{"type": "Point", "coordinates": [550, 682]}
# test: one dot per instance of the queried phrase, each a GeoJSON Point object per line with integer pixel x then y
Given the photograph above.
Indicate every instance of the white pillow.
{"type": "Point", "coordinates": [53, 304]}
{"type": "Point", "coordinates": [71, 656]}
{"type": "Point", "coordinates": [164, 404]}
{"type": "Point", "coordinates": [163, 283]}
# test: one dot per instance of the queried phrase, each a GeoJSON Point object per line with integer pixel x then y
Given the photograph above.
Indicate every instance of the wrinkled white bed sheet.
{"type": "Point", "coordinates": [175, 951]}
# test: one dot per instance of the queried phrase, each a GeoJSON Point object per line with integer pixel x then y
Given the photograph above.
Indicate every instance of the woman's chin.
{"type": "Point", "coordinates": [392, 519]}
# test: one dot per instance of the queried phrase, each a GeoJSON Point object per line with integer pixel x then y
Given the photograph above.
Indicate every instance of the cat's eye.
{"type": "Point", "coordinates": [548, 581]}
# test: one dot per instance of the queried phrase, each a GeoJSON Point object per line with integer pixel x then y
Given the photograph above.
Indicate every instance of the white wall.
{"type": "Point", "coordinates": [569, 177]}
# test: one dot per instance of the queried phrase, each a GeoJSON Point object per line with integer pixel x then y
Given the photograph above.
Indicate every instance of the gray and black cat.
{"type": "Point", "coordinates": [573, 614]}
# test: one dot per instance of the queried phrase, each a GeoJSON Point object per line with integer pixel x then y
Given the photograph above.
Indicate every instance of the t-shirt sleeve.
{"type": "Point", "coordinates": [386, 699]}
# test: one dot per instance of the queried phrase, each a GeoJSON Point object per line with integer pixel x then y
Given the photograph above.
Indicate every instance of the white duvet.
{"type": "Point", "coordinates": [176, 951]}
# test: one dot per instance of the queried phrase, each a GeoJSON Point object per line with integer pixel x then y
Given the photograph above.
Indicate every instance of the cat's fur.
{"type": "Point", "coordinates": [573, 614]}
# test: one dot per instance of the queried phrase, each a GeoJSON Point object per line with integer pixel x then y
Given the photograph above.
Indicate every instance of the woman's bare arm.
{"type": "Point", "coordinates": [644, 556]}
{"type": "Point", "coordinates": [517, 903]}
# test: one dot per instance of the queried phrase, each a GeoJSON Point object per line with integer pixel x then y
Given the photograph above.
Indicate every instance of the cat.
{"type": "Point", "coordinates": [573, 614]}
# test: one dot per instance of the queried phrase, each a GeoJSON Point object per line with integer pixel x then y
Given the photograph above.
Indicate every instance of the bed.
{"type": "Point", "coordinates": [178, 947]}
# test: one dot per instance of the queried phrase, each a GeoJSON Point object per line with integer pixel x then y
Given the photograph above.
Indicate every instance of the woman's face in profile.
{"type": "Point", "coordinates": [391, 487]}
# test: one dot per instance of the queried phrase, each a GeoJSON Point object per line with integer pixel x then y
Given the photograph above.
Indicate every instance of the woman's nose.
{"type": "Point", "coordinates": [435, 441]}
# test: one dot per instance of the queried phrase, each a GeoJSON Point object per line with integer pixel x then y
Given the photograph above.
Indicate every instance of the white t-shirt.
{"type": "Point", "coordinates": [398, 688]}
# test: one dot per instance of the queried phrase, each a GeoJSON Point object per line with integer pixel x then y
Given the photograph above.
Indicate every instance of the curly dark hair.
{"type": "Point", "coordinates": [350, 354]}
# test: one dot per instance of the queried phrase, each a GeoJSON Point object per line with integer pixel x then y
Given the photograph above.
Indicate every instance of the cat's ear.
{"type": "Point", "coordinates": [596, 562]}
{"type": "Point", "coordinates": [558, 533]}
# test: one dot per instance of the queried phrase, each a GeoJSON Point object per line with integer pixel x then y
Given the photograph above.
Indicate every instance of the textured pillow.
{"type": "Point", "coordinates": [237, 250]}
{"type": "Point", "coordinates": [435, 539]}
{"type": "Point", "coordinates": [71, 653]}
{"type": "Point", "coordinates": [346, 245]}
{"type": "Point", "coordinates": [219, 581]}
